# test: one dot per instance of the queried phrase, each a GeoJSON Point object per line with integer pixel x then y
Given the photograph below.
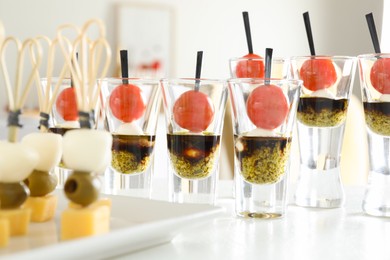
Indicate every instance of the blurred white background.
{"type": "Point", "coordinates": [216, 27]}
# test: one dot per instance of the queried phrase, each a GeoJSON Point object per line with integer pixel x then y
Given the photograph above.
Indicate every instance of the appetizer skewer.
{"type": "Point", "coordinates": [17, 159]}
{"type": "Point", "coordinates": [86, 151]}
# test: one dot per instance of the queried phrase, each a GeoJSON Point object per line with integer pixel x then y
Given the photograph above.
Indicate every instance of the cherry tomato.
{"type": "Point", "coordinates": [318, 74]}
{"type": "Point", "coordinates": [126, 103]}
{"type": "Point", "coordinates": [193, 110]}
{"type": "Point", "coordinates": [380, 75]}
{"type": "Point", "coordinates": [250, 68]}
{"type": "Point", "coordinates": [66, 104]}
{"type": "Point", "coordinates": [267, 107]}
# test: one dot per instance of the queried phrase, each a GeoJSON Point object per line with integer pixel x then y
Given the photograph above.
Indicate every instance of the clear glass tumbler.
{"type": "Point", "coordinates": [321, 117]}
{"type": "Point", "coordinates": [63, 115]}
{"type": "Point", "coordinates": [374, 70]}
{"type": "Point", "coordinates": [264, 113]}
{"type": "Point", "coordinates": [131, 108]}
{"type": "Point", "coordinates": [194, 111]}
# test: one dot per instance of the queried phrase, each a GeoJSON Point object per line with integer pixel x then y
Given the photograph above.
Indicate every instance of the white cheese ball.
{"type": "Point", "coordinates": [129, 129]}
{"type": "Point", "coordinates": [324, 93]}
{"type": "Point", "coordinates": [260, 132]}
{"type": "Point", "coordinates": [17, 161]}
{"type": "Point", "coordinates": [49, 148]}
{"type": "Point", "coordinates": [105, 165]}
{"type": "Point", "coordinates": [385, 98]}
{"type": "Point", "coordinates": [87, 150]}
{"type": "Point", "coordinates": [69, 124]}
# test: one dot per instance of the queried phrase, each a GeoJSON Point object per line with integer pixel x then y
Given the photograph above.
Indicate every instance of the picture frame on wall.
{"type": "Point", "coordinates": [146, 32]}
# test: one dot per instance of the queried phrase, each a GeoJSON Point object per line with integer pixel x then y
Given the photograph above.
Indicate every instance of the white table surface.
{"type": "Point", "coordinates": [304, 233]}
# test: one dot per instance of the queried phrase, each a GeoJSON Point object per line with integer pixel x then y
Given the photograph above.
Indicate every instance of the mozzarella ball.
{"type": "Point", "coordinates": [49, 148]}
{"type": "Point", "coordinates": [129, 129]}
{"type": "Point", "coordinates": [87, 150]}
{"type": "Point", "coordinates": [17, 161]}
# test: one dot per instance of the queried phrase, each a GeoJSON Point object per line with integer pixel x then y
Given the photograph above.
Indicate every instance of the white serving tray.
{"type": "Point", "coordinates": [135, 224]}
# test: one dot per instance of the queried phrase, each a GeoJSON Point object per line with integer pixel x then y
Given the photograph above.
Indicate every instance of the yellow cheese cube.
{"type": "Point", "coordinates": [101, 202]}
{"type": "Point", "coordinates": [42, 208]}
{"type": "Point", "coordinates": [18, 220]}
{"type": "Point", "coordinates": [82, 222]}
{"type": "Point", "coordinates": [4, 232]}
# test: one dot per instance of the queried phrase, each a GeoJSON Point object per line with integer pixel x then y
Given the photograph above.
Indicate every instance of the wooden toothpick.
{"type": "Point", "coordinates": [16, 94]}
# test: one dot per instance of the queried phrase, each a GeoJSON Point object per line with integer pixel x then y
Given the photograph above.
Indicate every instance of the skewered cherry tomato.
{"type": "Point", "coordinates": [380, 75]}
{"type": "Point", "coordinates": [193, 110]}
{"type": "Point", "coordinates": [267, 107]}
{"type": "Point", "coordinates": [318, 74]}
{"type": "Point", "coordinates": [66, 104]}
{"type": "Point", "coordinates": [250, 68]}
{"type": "Point", "coordinates": [126, 103]}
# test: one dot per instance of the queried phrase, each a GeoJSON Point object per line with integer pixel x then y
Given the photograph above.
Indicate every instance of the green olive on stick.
{"type": "Point", "coordinates": [41, 183]}
{"type": "Point", "coordinates": [82, 188]}
{"type": "Point", "coordinates": [12, 195]}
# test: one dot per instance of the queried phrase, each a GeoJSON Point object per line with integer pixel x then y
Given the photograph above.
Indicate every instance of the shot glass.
{"type": "Point", "coordinates": [263, 113]}
{"type": "Point", "coordinates": [374, 71]}
{"type": "Point", "coordinates": [63, 115]}
{"type": "Point", "coordinates": [131, 108]}
{"type": "Point", "coordinates": [254, 68]}
{"type": "Point", "coordinates": [321, 117]}
{"type": "Point", "coordinates": [194, 112]}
